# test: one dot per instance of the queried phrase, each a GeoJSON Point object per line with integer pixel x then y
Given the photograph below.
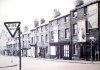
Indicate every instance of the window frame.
{"type": "Point", "coordinates": [66, 32]}
{"type": "Point", "coordinates": [41, 38]}
{"type": "Point", "coordinates": [66, 50]}
{"type": "Point", "coordinates": [66, 19]}
{"type": "Point", "coordinates": [52, 34]}
{"type": "Point", "coordinates": [75, 28]}
{"type": "Point", "coordinates": [46, 37]}
{"type": "Point", "coordinates": [75, 13]}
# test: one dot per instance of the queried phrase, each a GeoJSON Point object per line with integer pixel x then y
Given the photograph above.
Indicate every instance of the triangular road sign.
{"type": "Point", "coordinates": [12, 27]}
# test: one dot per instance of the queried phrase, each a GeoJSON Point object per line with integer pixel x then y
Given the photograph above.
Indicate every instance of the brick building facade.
{"type": "Point", "coordinates": [85, 31]}
{"type": "Point", "coordinates": [59, 32]}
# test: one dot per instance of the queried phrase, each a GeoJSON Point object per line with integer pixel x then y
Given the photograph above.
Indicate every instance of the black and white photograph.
{"type": "Point", "coordinates": [49, 35]}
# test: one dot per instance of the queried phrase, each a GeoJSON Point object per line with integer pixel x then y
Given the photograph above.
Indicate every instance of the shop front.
{"type": "Point", "coordinates": [60, 50]}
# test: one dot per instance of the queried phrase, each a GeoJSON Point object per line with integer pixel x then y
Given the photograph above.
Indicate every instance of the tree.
{"type": "Point", "coordinates": [56, 13]}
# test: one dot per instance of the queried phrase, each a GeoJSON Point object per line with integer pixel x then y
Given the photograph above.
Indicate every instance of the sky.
{"type": "Point", "coordinates": [26, 11]}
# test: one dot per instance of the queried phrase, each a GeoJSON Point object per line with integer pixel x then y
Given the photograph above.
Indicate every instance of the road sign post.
{"type": "Point", "coordinates": [12, 28]}
{"type": "Point", "coordinates": [19, 50]}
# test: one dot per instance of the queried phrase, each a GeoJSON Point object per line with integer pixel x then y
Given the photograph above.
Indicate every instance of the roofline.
{"type": "Point", "coordinates": [59, 17]}
{"type": "Point", "coordinates": [42, 25]}
{"type": "Point", "coordinates": [33, 29]}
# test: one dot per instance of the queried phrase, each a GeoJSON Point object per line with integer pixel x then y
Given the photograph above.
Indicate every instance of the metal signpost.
{"type": "Point", "coordinates": [12, 28]}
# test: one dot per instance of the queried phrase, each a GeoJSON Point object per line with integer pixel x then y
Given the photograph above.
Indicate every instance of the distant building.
{"type": "Point", "coordinates": [3, 41]}
{"type": "Point", "coordinates": [12, 45]}
{"type": "Point", "coordinates": [42, 37]}
{"type": "Point", "coordinates": [33, 42]}
{"type": "Point", "coordinates": [25, 43]}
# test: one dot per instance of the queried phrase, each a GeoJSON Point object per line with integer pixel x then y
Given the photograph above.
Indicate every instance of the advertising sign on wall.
{"type": "Point", "coordinates": [92, 12]}
{"type": "Point", "coordinates": [81, 31]}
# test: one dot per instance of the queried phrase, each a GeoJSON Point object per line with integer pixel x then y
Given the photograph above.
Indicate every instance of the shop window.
{"type": "Point", "coordinates": [66, 50]}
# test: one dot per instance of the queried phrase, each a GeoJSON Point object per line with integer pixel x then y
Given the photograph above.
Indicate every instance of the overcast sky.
{"type": "Point", "coordinates": [28, 10]}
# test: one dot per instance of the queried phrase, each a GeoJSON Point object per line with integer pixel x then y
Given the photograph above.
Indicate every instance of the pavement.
{"type": "Point", "coordinates": [72, 61]}
{"type": "Point", "coordinates": [8, 61]}
{"type": "Point", "coordinates": [30, 63]}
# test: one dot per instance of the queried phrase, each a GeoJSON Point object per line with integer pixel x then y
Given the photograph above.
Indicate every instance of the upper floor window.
{"type": "Point", "coordinates": [75, 14]}
{"type": "Point", "coordinates": [85, 10]}
{"type": "Point", "coordinates": [67, 33]}
{"type": "Point", "coordinates": [75, 28]}
{"type": "Point", "coordinates": [58, 34]}
{"type": "Point", "coordinates": [32, 39]}
{"type": "Point", "coordinates": [52, 35]}
{"type": "Point", "coordinates": [37, 38]}
{"type": "Point", "coordinates": [41, 38]}
{"type": "Point", "coordinates": [23, 36]}
{"type": "Point", "coordinates": [67, 19]}
{"type": "Point", "coordinates": [34, 32]}
{"type": "Point", "coordinates": [51, 24]}
{"type": "Point", "coordinates": [23, 43]}
{"type": "Point", "coordinates": [28, 35]}
{"type": "Point", "coordinates": [37, 29]}
{"type": "Point", "coordinates": [46, 27]}
{"type": "Point", "coordinates": [41, 28]}
{"type": "Point", "coordinates": [46, 37]}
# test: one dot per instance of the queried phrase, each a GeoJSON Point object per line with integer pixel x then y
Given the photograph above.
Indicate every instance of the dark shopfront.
{"type": "Point", "coordinates": [62, 50]}
{"type": "Point", "coordinates": [88, 49]}
{"type": "Point", "coordinates": [43, 52]}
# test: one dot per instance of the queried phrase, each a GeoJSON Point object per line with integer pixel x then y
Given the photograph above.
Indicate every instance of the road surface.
{"type": "Point", "coordinates": [29, 63]}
